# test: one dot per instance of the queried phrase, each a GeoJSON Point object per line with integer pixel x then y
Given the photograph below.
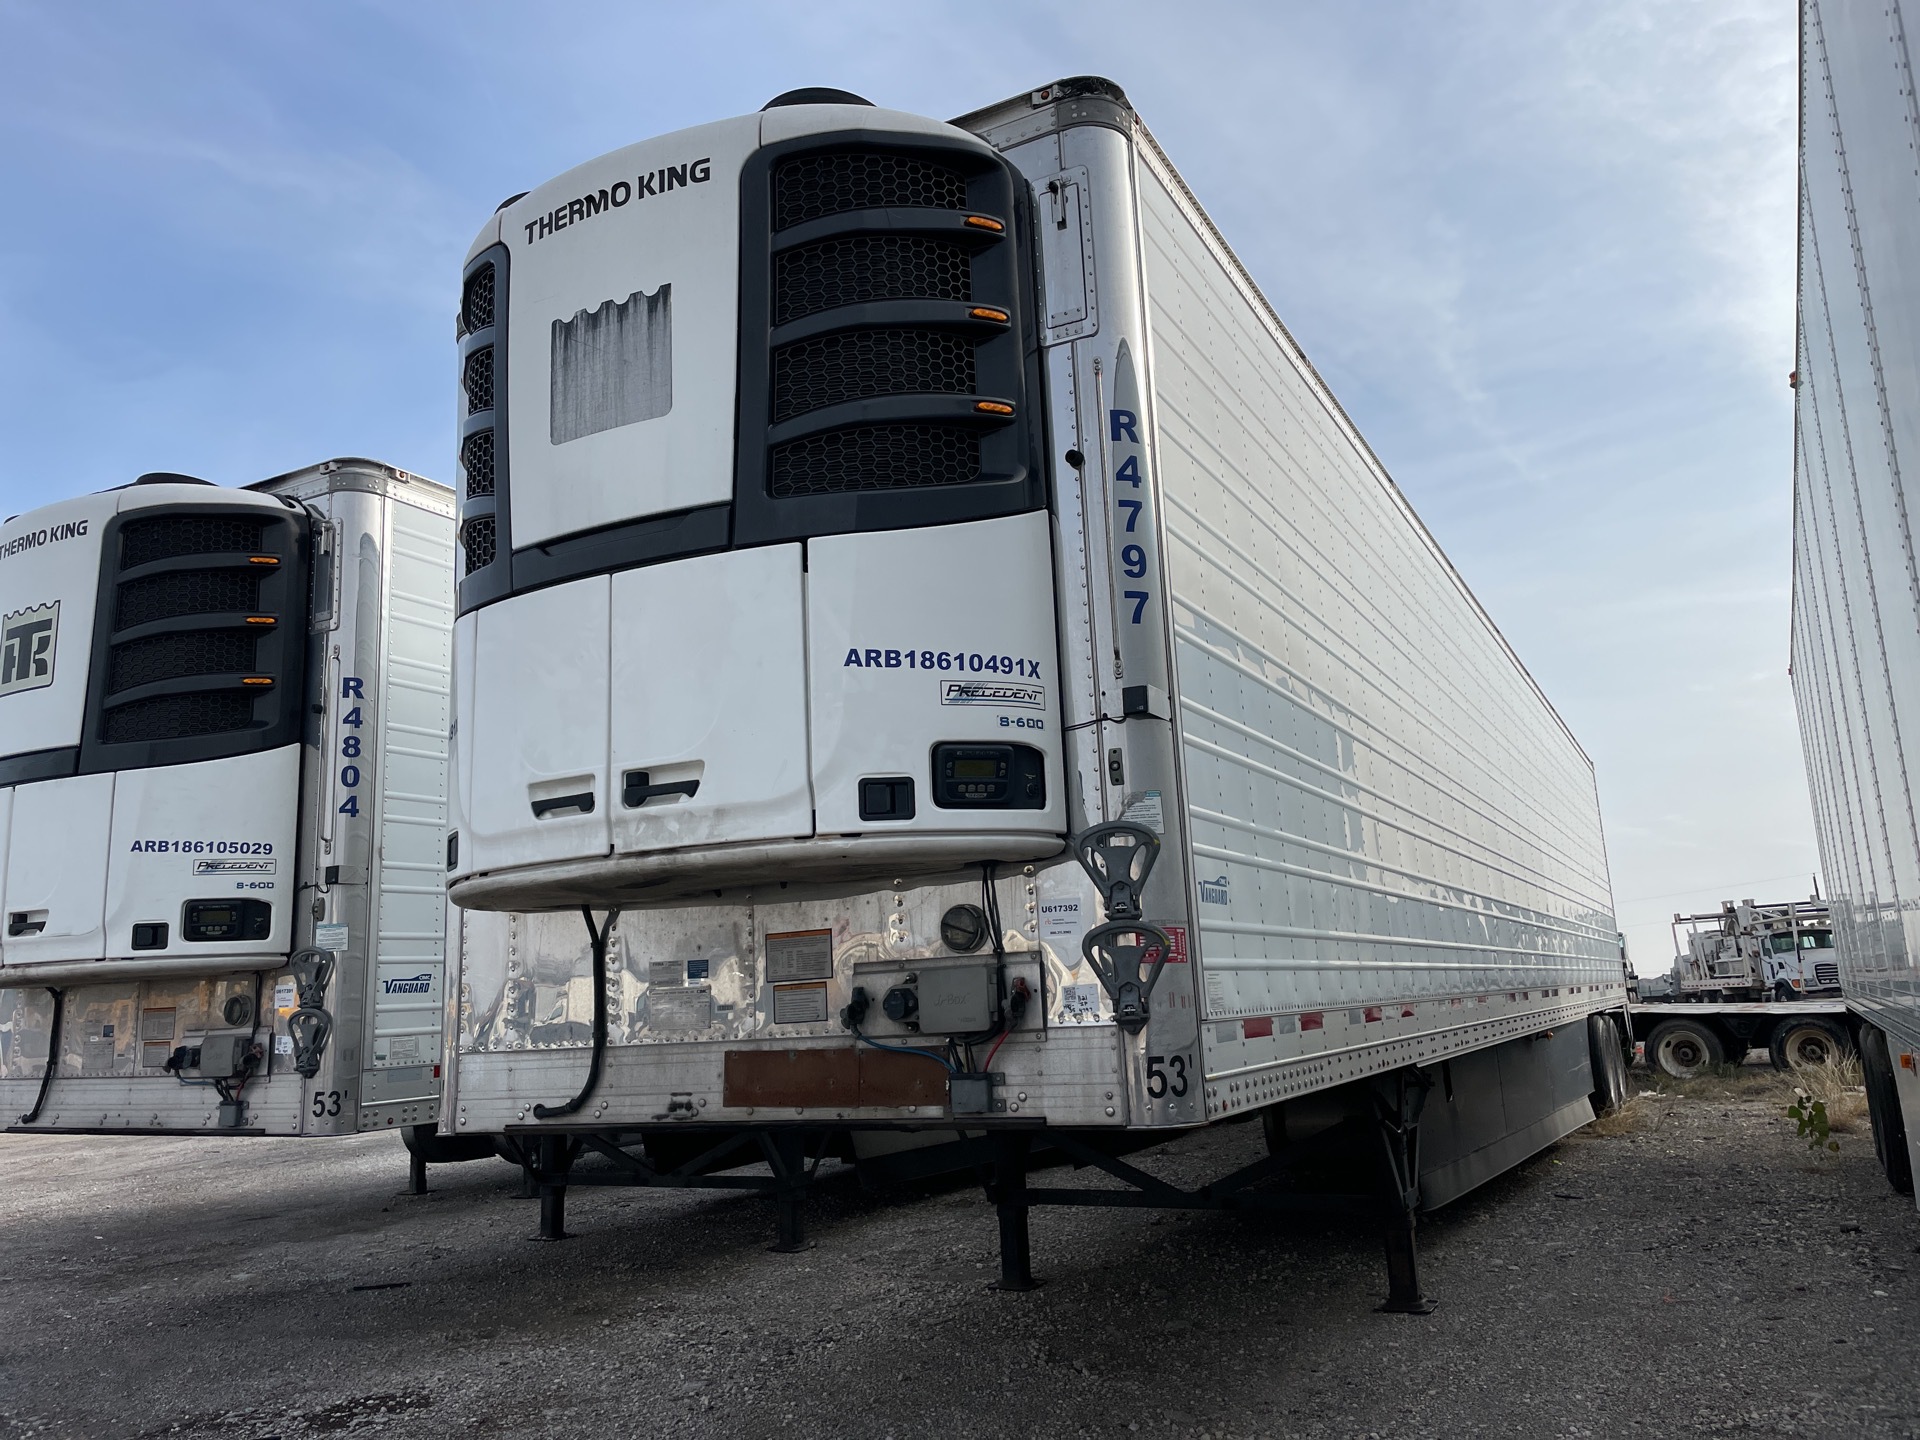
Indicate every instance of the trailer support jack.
{"type": "Point", "coordinates": [1010, 1202]}
{"type": "Point", "coordinates": [1397, 1103]}
{"type": "Point", "coordinates": [557, 1154]}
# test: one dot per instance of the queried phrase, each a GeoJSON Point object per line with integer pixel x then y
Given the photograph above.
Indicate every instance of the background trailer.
{"type": "Point", "coordinates": [1856, 588]}
{"type": "Point", "coordinates": [223, 723]}
{"type": "Point", "coordinates": [920, 603]}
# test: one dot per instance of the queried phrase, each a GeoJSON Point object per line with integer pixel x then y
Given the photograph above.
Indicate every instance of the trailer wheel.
{"type": "Point", "coordinates": [1609, 1068]}
{"type": "Point", "coordinates": [1883, 1109]}
{"type": "Point", "coordinates": [1808, 1041]}
{"type": "Point", "coordinates": [1683, 1049]}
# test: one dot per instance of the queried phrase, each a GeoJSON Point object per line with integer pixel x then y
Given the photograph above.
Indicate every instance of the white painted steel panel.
{"type": "Point", "coordinates": [216, 830]}
{"type": "Point", "coordinates": [1856, 584]}
{"type": "Point", "coordinates": [678, 252]}
{"type": "Point", "coordinates": [1392, 830]}
{"type": "Point", "coordinates": [57, 868]}
{"type": "Point", "coordinates": [709, 687]}
{"type": "Point", "coordinates": [920, 636]}
{"type": "Point", "coordinates": [49, 586]}
{"type": "Point", "coordinates": [542, 658]}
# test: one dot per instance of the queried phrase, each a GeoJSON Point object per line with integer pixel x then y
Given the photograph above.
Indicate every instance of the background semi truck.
{"type": "Point", "coordinates": [922, 607]}
{"type": "Point", "coordinates": [1856, 589]}
{"type": "Point", "coordinates": [1746, 977]}
{"type": "Point", "coordinates": [223, 757]}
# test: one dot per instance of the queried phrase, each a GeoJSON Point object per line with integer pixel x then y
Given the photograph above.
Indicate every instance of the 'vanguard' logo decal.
{"type": "Point", "coordinates": [1213, 892]}
{"type": "Point", "coordinates": [409, 985]}
{"type": "Point", "coordinates": [26, 648]}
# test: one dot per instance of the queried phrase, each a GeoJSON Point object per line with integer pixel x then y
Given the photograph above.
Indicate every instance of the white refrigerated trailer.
{"type": "Point", "coordinates": [921, 605]}
{"type": "Point", "coordinates": [1856, 588]}
{"type": "Point", "coordinates": [223, 770]}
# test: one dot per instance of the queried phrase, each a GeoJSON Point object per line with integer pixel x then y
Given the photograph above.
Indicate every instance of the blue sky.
{"type": "Point", "coordinates": [1542, 251]}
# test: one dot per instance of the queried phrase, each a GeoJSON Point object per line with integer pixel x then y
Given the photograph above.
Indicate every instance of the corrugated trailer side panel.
{"type": "Point", "coordinates": [1397, 841]}
{"type": "Point", "coordinates": [1856, 584]}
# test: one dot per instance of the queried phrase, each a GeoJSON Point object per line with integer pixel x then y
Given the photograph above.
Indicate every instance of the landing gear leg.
{"type": "Point", "coordinates": [416, 1173]}
{"type": "Point", "coordinates": [556, 1159]}
{"type": "Point", "coordinates": [1397, 1103]}
{"type": "Point", "coordinates": [1010, 1202]}
{"type": "Point", "coordinates": [786, 1152]}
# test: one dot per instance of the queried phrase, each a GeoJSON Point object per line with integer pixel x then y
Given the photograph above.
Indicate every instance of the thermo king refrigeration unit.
{"type": "Point", "coordinates": [224, 716]}
{"type": "Point", "coordinates": [922, 607]}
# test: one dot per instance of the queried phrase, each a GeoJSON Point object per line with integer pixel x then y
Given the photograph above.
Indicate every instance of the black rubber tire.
{"type": "Point", "coordinates": [1684, 1049]}
{"type": "Point", "coordinates": [1883, 1109]}
{"type": "Point", "coordinates": [1783, 992]}
{"type": "Point", "coordinates": [1609, 1068]}
{"type": "Point", "coordinates": [1735, 1047]}
{"type": "Point", "coordinates": [445, 1149]}
{"type": "Point", "coordinates": [1808, 1039]}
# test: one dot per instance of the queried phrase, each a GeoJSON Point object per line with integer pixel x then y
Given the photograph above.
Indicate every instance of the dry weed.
{"type": "Point", "coordinates": [1840, 1086]}
{"type": "Point", "coordinates": [1638, 1113]}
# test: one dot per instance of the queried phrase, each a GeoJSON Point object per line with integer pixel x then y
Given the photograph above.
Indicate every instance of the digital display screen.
{"type": "Point", "coordinates": [208, 915]}
{"type": "Point", "coordinates": [976, 769]}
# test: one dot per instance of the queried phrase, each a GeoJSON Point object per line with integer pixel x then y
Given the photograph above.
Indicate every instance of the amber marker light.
{"type": "Point", "coordinates": [256, 680]}
{"type": "Point", "coordinates": [985, 222]}
{"type": "Point", "coordinates": [987, 312]}
{"type": "Point", "coordinates": [260, 620]}
{"type": "Point", "coordinates": [263, 559]}
{"type": "Point", "coordinates": [992, 407]}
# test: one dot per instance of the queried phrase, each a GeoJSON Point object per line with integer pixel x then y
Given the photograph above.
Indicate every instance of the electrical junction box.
{"type": "Point", "coordinates": [222, 1055]}
{"type": "Point", "coordinates": [955, 999]}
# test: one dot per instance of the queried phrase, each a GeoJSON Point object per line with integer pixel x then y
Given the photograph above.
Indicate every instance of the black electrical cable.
{"type": "Point", "coordinates": [598, 940]}
{"type": "Point", "coordinates": [53, 1057]}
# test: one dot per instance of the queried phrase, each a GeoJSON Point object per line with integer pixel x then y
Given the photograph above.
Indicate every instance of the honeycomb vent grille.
{"type": "Point", "coordinates": [476, 458]}
{"type": "Point", "coordinates": [874, 457]}
{"type": "Point", "coordinates": [187, 652]}
{"type": "Point", "coordinates": [476, 379]}
{"type": "Point", "coordinates": [166, 537]}
{"type": "Point", "coordinates": [854, 269]}
{"type": "Point", "coordinates": [186, 592]}
{"type": "Point", "coordinates": [858, 364]}
{"type": "Point", "coordinates": [476, 538]}
{"type": "Point", "coordinates": [476, 300]}
{"type": "Point", "coordinates": [175, 717]}
{"type": "Point", "coordinates": [810, 186]}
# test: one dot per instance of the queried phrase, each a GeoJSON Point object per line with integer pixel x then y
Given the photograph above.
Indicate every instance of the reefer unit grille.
{"type": "Point", "coordinates": [856, 364]}
{"type": "Point", "coordinates": [199, 646]}
{"type": "Point", "coordinates": [483, 451]}
{"type": "Point", "coordinates": [810, 186]}
{"type": "Point", "coordinates": [144, 541]}
{"type": "Point", "coordinates": [476, 458]}
{"type": "Point", "coordinates": [854, 269]}
{"type": "Point", "coordinates": [875, 457]}
{"type": "Point", "coordinates": [897, 356]}
{"type": "Point", "coordinates": [477, 540]}
{"type": "Point", "coordinates": [477, 380]}
{"type": "Point", "coordinates": [476, 300]}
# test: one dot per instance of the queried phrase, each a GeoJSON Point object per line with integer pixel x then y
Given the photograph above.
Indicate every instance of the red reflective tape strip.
{"type": "Point", "coordinates": [1257, 1027]}
{"type": "Point", "coordinates": [1372, 1013]}
{"type": "Point", "coordinates": [1313, 1020]}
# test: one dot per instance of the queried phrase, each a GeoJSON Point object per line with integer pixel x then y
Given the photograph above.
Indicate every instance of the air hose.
{"type": "Point", "coordinates": [597, 938]}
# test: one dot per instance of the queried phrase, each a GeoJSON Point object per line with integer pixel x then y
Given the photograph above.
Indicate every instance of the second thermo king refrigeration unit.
{"type": "Point", "coordinates": [922, 607]}
{"type": "Point", "coordinates": [223, 768]}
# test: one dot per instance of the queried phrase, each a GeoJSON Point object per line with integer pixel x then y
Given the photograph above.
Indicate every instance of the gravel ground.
{"type": "Point", "coordinates": [1699, 1274]}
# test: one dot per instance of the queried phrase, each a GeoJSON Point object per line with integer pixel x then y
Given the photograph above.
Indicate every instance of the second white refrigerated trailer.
{"type": "Point", "coordinates": [923, 607]}
{"type": "Point", "coordinates": [223, 772]}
